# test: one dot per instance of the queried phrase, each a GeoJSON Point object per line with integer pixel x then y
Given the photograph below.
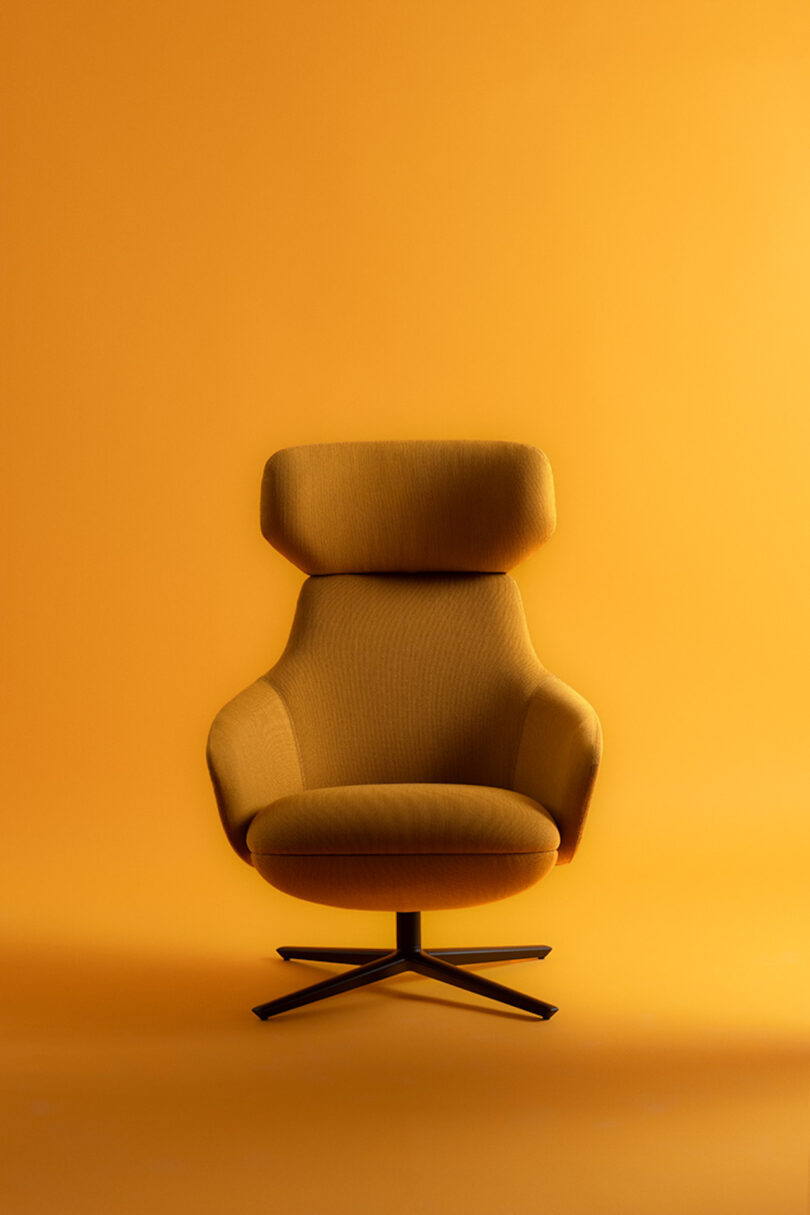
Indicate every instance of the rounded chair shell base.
{"type": "Point", "coordinates": [405, 883]}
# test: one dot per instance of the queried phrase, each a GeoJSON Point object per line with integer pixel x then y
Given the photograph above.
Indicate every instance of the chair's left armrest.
{"type": "Point", "coordinates": [558, 756]}
{"type": "Point", "coordinates": [253, 758]}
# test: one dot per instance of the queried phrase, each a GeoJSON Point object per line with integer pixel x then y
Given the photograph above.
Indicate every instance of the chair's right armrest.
{"type": "Point", "coordinates": [253, 758]}
{"type": "Point", "coordinates": [558, 756]}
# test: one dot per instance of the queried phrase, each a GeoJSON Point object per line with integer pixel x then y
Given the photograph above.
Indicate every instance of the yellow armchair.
{"type": "Point", "coordinates": [408, 751]}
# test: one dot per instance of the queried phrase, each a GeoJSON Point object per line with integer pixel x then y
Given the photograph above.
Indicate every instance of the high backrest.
{"type": "Point", "coordinates": [409, 657]}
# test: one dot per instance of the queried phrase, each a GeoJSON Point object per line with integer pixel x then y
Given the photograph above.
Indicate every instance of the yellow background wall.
{"type": "Point", "coordinates": [239, 226]}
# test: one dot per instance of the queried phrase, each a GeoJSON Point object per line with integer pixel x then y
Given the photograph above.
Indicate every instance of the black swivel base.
{"type": "Point", "coordinates": [442, 964]}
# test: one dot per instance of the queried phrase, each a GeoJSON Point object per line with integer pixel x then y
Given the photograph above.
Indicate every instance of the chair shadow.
{"type": "Point", "coordinates": [53, 989]}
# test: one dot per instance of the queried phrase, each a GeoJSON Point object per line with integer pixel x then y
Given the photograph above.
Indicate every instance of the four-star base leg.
{"type": "Point", "coordinates": [370, 965]}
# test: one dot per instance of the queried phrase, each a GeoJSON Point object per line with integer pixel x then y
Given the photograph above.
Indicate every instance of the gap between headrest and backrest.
{"type": "Point", "coordinates": [407, 506]}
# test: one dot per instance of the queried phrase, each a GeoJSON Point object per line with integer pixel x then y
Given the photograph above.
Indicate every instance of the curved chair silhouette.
{"type": "Point", "coordinates": [408, 751]}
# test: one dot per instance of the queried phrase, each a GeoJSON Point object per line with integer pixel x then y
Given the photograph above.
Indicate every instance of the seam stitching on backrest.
{"type": "Point", "coordinates": [293, 731]}
{"type": "Point", "coordinates": [520, 732]}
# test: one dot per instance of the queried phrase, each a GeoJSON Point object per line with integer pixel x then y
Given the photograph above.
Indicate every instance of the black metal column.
{"type": "Point", "coordinates": [409, 932]}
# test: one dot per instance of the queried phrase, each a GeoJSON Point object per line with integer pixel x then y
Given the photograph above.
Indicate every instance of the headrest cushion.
{"type": "Point", "coordinates": [407, 506]}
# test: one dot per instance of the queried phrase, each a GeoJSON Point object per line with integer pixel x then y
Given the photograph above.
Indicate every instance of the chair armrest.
{"type": "Point", "coordinates": [558, 755]}
{"type": "Point", "coordinates": [253, 758]}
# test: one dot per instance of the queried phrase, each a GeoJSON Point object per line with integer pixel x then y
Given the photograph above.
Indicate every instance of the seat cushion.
{"type": "Point", "coordinates": [403, 847]}
{"type": "Point", "coordinates": [410, 818]}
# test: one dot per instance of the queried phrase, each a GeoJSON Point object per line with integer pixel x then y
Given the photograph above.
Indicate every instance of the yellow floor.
{"type": "Point", "coordinates": [674, 1079]}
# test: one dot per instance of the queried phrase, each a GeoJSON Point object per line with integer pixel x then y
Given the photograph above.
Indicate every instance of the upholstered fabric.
{"type": "Point", "coordinates": [401, 847]}
{"type": "Point", "coordinates": [407, 506]}
{"type": "Point", "coordinates": [411, 819]}
{"type": "Point", "coordinates": [337, 774]}
{"type": "Point", "coordinates": [252, 757]}
{"type": "Point", "coordinates": [394, 677]}
{"type": "Point", "coordinates": [397, 678]}
{"type": "Point", "coordinates": [405, 883]}
{"type": "Point", "coordinates": [558, 757]}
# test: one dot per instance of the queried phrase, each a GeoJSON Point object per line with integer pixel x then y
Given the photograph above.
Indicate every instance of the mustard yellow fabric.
{"type": "Point", "coordinates": [410, 506]}
{"type": "Point", "coordinates": [404, 883]}
{"type": "Point", "coordinates": [408, 750]}
{"type": "Point", "coordinates": [252, 757]}
{"type": "Point", "coordinates": [394, 677]}
{"type": "Point", "coordinates": [558, 757]}
{"type": "Point", "coordinates": [412, 819]}
{"type": "Point", "coordinates": [403, 847]}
